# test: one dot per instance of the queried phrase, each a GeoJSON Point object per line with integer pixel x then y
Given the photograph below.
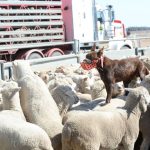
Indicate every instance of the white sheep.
{"type": "Point", "coordinates": [64, 97]}
{"type": "Point", "coordinates": [94, 130]}
{"type": "Point", "coordinates": [98, 89]}
{"type": "Point", "coordinates": [95, 105]}
{"type": "Point", "coordinates": [15, 132]}
{"type": "Point", "coordinates": [60, 80]}
{"type": "Point", "coordinates": [37, 103]}
{"type": "Point", "coordinates": [145, 119]}
{"type": "Point", "coordinates": [144, 128]}
{"type": "Point", "coordinates": [146, 82]}
{"type": "Point", "coordinates": [84, 98]}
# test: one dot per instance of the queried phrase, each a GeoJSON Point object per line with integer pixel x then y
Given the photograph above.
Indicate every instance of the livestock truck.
{"type": "Point", "coordinates": [32, 29]}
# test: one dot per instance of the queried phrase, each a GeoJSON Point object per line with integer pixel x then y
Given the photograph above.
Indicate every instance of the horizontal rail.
{"type": "Point", "coordinates": [35, 17]}
{"type": "Point", "coordinates": [42, 63]}
{"type": "Point", "coordinates": [24, 31]}
{"type": "Point", "coordinates": [33, 38]}
{"type": "Point", "coordinates": [32, 45]}
{"type": "Point", "coordinates": [30, 11]}
{"type": "Point", "coordinates": [123, 39]}
{"type": "Point", "coordinates": [35, 23]}
{"type": "Point", "coordinates": [31, 3]}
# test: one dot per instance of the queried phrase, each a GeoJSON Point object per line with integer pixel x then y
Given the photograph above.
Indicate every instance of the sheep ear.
{"type": "Point", "coordinates": [36, 72]}
{"type": "Point", "coordinates": [85, 79]}
{"type": "Point", "coordinates": [94, 47]}
{"type": "Point", "coordinates": [128, 90]}
{"type": "Point", "coordinates": [15, 63]}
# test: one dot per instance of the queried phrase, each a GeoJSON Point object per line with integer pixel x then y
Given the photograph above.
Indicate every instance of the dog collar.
{"type": "Point", "coordinates": [101, 62]}
{"type": "Point", "coordinates": [94, 64]}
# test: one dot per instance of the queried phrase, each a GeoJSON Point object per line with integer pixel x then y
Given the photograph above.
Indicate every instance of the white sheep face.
{"type": "Point", "coordinates": [140, 95]}
{"type": "Point", "coordinates": [118, 88]}
{"type": "Point", "coordinates": [8, 89]}
{"type": "Point", "coordinates": [21, 68]}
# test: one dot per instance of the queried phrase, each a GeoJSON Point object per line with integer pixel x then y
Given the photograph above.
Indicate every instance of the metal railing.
{"type": "Point", "coordinates": [75, 58]}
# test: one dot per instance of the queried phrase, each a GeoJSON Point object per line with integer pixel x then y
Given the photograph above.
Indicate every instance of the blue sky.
{"type": "Point", "coordinates": [130, 12]}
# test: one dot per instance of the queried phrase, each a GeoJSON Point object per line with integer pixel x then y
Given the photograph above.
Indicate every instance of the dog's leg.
{"type": "Point", "coordinates": [109, 89]}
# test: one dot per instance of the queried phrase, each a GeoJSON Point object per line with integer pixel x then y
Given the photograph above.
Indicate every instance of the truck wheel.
{"type": "Point", "coordinates": [54, 52]}
{"type": "Point", "coordinates": [30, 54]}
{"type": "Point", "coordinates": [34, 55]}
{"type": "Point", "coordinates": [125, 47]}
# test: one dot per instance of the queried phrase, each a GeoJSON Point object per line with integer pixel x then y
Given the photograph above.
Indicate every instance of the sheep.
{"type": "Point", "coordinates": [93, 130]}
{"type": "Point", "coordinates": [60, 80]}
{"type": "Point", "coordinates": [64, 97]}
{"type": "Point", "coordinates": [146, 61]}
{"type": "Point", "coordinates": [37, 103]}
{"type": "Point", "coordinates": [84, 98]}
{"type": "Point", "coordinates": [98, 89]}
{"type": "Point", "coordinates": [94, 105]}
{"type": "Point", "coordinates": [144, 128]}
{"type": "Point", "coordinates": [144, 120]}
{"type": "Point", "coordinates": [15, 132]}
{"type": "Point", "coordinates": [146, 82]}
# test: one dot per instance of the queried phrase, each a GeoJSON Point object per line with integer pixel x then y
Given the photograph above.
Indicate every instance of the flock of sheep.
{"type": "Point", "coordinates": [64, 109]}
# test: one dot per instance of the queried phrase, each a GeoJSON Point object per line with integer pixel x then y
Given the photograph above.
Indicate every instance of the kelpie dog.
{"type": "Point", "coordinates": [112, 71]}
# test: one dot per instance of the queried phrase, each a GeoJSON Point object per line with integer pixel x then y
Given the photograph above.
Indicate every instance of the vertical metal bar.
{"type": "Point", "coordinates": [2, 70]}
{"type": "Point", "coordinates": [136, 51]}
{"type": "Point", "coordinates": [76, 46]}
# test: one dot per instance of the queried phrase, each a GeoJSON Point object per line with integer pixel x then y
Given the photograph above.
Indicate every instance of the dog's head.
{"type": "Point", "coordinates": [94, 55]}
{"type": "Point", "coordinates": [92, 58]}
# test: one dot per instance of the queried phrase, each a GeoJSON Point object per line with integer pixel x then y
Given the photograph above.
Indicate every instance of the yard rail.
{"type": "Point", "coordinates": [75, 58]}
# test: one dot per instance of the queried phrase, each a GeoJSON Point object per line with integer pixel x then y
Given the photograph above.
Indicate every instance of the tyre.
{"type": "Point", "coordinates": [34, 55]}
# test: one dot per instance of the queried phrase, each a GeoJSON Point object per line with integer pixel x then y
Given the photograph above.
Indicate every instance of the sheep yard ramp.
{"type": "Point", "coordinates": [43, 64]}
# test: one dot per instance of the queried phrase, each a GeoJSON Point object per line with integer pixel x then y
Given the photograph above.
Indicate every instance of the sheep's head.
{"type": "Point", "coordinates": [64, 97]}
{"type": "Point", "coordinates": [118, 89]}
{"type": "Point", "coordinates": [146, 82]}
{"type": "Point", "coordinates": [9, 89]}
{"type": "Point", "coordinates": [139, 95]}
{"type": "Point", "coordinates": [21, 68]}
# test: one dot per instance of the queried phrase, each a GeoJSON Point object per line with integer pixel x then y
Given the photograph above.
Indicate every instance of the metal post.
{"type": "Point", "coordinates": [136, 51]}
{"type": "Point", "coordinates": [76, 46]}
{"type": "Point", "coordinates": [2, 71]}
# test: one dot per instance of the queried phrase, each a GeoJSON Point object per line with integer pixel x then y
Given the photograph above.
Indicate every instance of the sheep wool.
{"type": "Point", "coordinates": [37, 103]}
{"type": "Point", "coordinates": [15, 132]}
{"type": "Point", "coordinates": [106, 129]}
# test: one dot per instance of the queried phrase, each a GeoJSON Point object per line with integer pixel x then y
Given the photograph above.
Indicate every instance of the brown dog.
{"type": "Point", "coordinates": [112, 71]}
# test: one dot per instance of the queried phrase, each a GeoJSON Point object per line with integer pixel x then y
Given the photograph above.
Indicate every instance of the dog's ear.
{"type": "Point", "coordinates": [94, 47]}
{"type": "Point", "coordinates": [100, 52]}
